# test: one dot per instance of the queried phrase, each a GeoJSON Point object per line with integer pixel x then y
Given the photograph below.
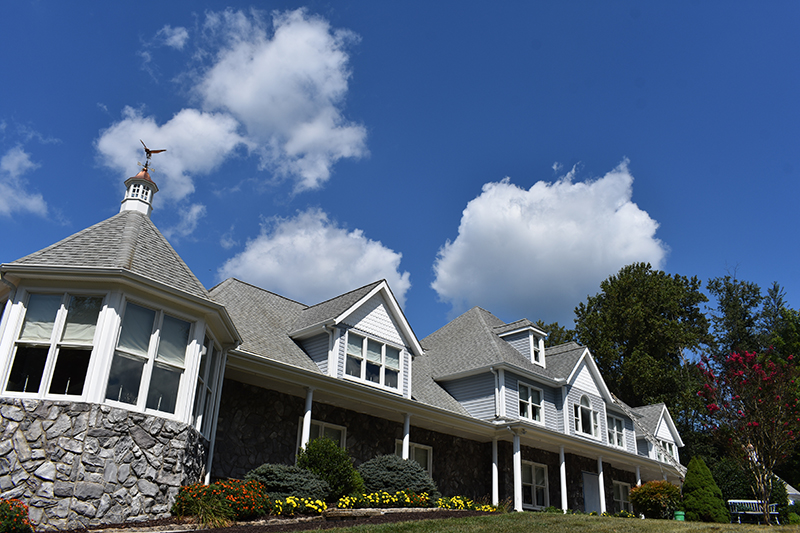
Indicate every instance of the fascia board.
{"type": "Point", "coordinates": [598, 379]}
{"type": "Point", "coordinates": [521, 329]}
{"type": "Point", "coordinates": [665, 416]}
{"type": "Point", "coordinates": [129, 279]}
{"type": "Point", "coordinates": [383, 287]}
{"type": "Point", "coordinates": [310, 331]}
{"type": "Point", "coordinates": [259, 365]}
{"type": "Point", "coordinates": [504, 366]}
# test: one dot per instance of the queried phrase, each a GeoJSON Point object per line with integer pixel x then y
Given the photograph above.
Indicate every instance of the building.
{"type": "Point", "coordinates": [123, 378]}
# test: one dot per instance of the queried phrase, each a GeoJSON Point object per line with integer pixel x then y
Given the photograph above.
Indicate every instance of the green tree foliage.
{"type": "Point", "coordinates": [656, 499]}
{"type": "Point", "coordinates": [282, 481]}
{"type": "Point", "coordinates": [391, 473]}
{"type": "Point", "coordinates": [556, 334]}
{"type": "Point", "coordinates": [331, 463]}
{"type": "Point", "coordinates": [702, 498]}
{"type": "Point", "coordinates": [737, 319]}
{"type": "Point", "coordinates": [638, 328]}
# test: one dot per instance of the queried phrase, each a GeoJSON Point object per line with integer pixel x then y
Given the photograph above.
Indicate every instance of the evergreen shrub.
{"type": "Point", "coordinates": [702, 498]}
{"type": "Point", "coordinates": [332, 464]}
{"type": "Point", "coordinates": [282, 481]}
{"type": "Point", "coordinates": [390, 473]}
{"type": "Point", "coordinates": [656, 499]}
{"type": "Point", "coordinates": [14, 517]}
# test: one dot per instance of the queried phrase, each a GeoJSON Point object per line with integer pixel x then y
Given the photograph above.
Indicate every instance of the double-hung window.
{"type": "Point", "coordinates": [206, 385]}
{"type": "Point", "coordinates": [54, 347]}
{"type": "Point", "coordinates": [534, 486]}
{"type": "Point", "coordinates": [373, 361]}
{"type": "Point", "coordinates": [622, 498]}
{"type": "Point", "coordinates": [668, 447]}
{"type": "Point", "coordinates": [616, 433]}
{"type": "Point", "coordinates": [337, 434]}
{"type": "Point", "coordinates": [587, 421]}
{"type": "Point", "coordinates": [149, 359]}
{"type": "Point", "coordinates": [530, 402]}
{"type": "Point", "coordinates": [420, 453]}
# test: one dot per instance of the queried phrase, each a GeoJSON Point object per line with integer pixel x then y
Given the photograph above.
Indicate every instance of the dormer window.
{"type": "Point", "coordinates": [586, 419]}
{"type": "Point", "coordinates": [536, 351]}
{"type": "Point", "coordinates": [372, 361]}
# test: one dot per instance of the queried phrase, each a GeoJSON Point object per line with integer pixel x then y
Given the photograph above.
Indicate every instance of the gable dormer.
{"type": "Point", "coordinates": [526, 338]}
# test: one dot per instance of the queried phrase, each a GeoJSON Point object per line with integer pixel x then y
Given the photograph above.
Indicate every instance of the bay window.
{"type": "Point", "coordinates": [206, 385]}
{"type": "Point", "coordinates": [373, 361]}
{"type": "Point", "coordinates": [149, 359]}
{"type": "Point", "coordinates": [55, 344]}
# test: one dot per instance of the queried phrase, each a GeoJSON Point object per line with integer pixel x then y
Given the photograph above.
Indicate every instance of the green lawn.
{"type": "Point", "coordinates": [554, 523]}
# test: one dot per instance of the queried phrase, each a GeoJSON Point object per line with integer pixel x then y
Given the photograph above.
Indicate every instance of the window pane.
{"type": "Point", "coordinates": [82, 319]}
{"type": "Point", "coordinates": [392, 358]}
{"type": "Point", "coordinates": [374, 351]}
{"type": "Point", "coordinates": [40, 317]}
{"type": "Point", "coordinates": [539, 476]}
{"type": "Point", "coordinates": [163, 391]}
{"type": "Point", "coordinates": [137, 326]}
{"type": "Point", "coordinates": [26, 373]}
{"type": "Point", "coordinates": [354, 344]}
{"type": "Point", "coordinates": [207, 413]}
{"type": "Point", "coordinates": [334, 434]}
{"type": "Point", "coordinates": [527, 475]}
{"type": "Point", "coordinates": [391, 378]}
{"type": "Point", "coordinates": [536, 397]}
{"type": "Point", "coordinates": [173, 341]}
{"type": "Point", "coordinates": [523, 393]}
{"type": "Point", "coordinates": [70, 371]}
{"type": "Point", "coordinates": [527, 496]}
{"type": "Point", "coordinates": [314, 433]}
{"type": "Point", "coordinates": [540, 496]}
{"type": "Point", "coordinates": [523, 409]}
{"type": "Point", "coordinates": [421, 456]}
{"type": "Point", "coordinates": [199, 394]}
{"type": "Point", "coordinates": [373, 373]}
{"type": "Point", "coordinates": [205, 355]}
{"type": "Point", "coordinates": [353, 366]}
{"type": "Point", "coordinates": [124, 379]}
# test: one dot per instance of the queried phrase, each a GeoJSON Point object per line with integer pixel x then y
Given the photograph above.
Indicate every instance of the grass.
{"type": "Point", "coordinates": [554, 523]}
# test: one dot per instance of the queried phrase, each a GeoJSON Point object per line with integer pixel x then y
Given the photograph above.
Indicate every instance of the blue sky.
{"type": "Point", "coordinates": [510, 155]}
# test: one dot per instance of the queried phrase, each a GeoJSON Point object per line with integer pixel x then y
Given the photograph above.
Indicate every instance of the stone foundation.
{"type": "Point", "coordinates": [80, 465]}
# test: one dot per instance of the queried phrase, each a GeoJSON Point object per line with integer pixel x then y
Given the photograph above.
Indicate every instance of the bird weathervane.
{"type": "Point", "coordinates": [148, 152]}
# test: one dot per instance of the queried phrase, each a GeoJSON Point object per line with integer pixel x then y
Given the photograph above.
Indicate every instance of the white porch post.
{"type": "Point", "coordinates": [306, 435]}
{"type": "Point", "coordinates": [602, 484]}
{"type": "Point", "coordinates": [562, 472]}
{"type": "Point", "coordinates": [495, 474]}
{"type": "Point", "coordinates": [406, 435]}
{"type": "Point", "coordinates": [517, 474]}
{"type": "Point", "coordinates": [638, 476]}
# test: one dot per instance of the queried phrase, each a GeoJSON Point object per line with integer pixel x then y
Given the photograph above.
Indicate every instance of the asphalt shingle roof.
{"type": "Point", "coordinates": [263, 320]}
{"type": "Point", "coordinates": [331, 308]}
{"type": "Point", "coordinates": [128, 241]}
{"type": "Point", "coordinates": [561, 359]}
{"type": "Point", "coordinates": [649, 416]}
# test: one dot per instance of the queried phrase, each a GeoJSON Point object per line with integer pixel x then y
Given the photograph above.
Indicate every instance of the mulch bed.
{"type": "Point", "coordinates": [279, 525]}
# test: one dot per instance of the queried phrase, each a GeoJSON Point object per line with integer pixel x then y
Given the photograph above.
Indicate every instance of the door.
{"type": "Point", "coordinates": [591, 492]}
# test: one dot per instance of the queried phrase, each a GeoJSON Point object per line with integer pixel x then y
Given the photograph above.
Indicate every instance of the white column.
{"type": "Point", "coordinates": [501, 376]}
{"type": "Point", "coordinates": [406, 435]}
{"type": "Point", "coordinates": [602, 485]}
{"type": "Point", "coordinates": [562, 472]}
{"type": "Point", "coordinates": [517, 474]}
{"type": "Point", "coordinates": [638, 476]}
{"type": "Point", "coordinates": [495, 474]}
{"type": "Point", "coordinates": [306, 435]}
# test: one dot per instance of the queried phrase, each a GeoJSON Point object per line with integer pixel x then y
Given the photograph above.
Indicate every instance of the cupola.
{"type": "Point", "coordinates": [140, 188]}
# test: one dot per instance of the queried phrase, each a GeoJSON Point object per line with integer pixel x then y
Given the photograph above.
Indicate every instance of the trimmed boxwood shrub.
{"type": "Point", "coordinates": [656, 499]}
{"type": "Point", "coordinates": [282, 481]}
{"type": "Point", "coordinates": [390, 473]}
{"type": "Point", "coordinates": [332, 464]}
{"type": "Point", "coordinates": [702, 498]}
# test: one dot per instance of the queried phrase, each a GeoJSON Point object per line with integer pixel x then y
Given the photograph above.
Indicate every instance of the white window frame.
{"type": "Point", "coordinates": [531, 407]}
{"type": "Point", "coordinates": [150, 362]}
{"type": "Point", "coordinates": [207, 386]}
{"type": "Point", "coordinates": [363, 358]}
{"type": "Point", "coordinates": [616, 437]}
{"type": "Point", "coordinates": [580, 411]}
{"type": "Point", "coordinates": [55, 343]}
{"type": "Point", "coordinates": [533, 486]}
{"type": "Point", "coordinates": [622, 497]}
{"type": "Point", "coordinates": [412, 447]}
{"type": "Point", "coordinates": [668, 446]}
{"type": "Point", "coordinates": [322, 426]}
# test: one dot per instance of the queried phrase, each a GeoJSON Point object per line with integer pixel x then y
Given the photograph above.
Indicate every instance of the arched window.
{"type": "Point", "coordinates": [586, 419]}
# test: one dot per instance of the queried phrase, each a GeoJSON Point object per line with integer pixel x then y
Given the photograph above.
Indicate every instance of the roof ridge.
{"type": "Point", "coordinates": [237, 280]}
{"type": "Point", "coordinates": [374, 283]}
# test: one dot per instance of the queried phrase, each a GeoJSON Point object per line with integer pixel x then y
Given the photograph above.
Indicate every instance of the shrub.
{"type": "Point", "coordinates": [793, 519]}
{"type": "Point", "coordinates": [332, 464]}
{"type": "Point", "coordinates": [282, 481]}
{"type": "Point", "coordinates": [390, 473]}
{"type": "Point", "coordinates": [702, 498]}
{"type": "Point", "coordinates": [14, 517]}
{"type": "Point", "coordinates": [656, 499]}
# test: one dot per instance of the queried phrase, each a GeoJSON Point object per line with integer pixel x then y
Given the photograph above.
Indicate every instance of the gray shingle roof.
{"type": "Point", "coordinates": [469, 343]}
{"type": "Point", "coordinates": [264, 320]}
{"type": "Point", "coordinates": [427, 391]}
{"type": "Point", "coordinates": [561, 359]}
{"type": "Point", "coordinates": [649, 416]}
{"type": "Point", "coordinates": [129, 241]}
{"type": "Point", "coordinates": [332, 308]}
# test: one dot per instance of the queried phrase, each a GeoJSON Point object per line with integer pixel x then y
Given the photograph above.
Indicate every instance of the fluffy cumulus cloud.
{"type": "Point", "coordinates": [14, 198]}
{"type": "Point", "coordinates": [309, 258]}
{"type": "Point", "coordinates": [537, 253]}
{"type": "Point", "coordinates": [276, 90]}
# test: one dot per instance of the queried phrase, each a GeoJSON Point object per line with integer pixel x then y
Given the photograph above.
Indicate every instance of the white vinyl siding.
{"type": "Point", "coordinates": [374, 319]}
{"type": "Point", "coordinates": [475, 394]}
{"type": "Point", "coordinates": [550, 400]}
{"type": "Point", "coordinates": [317, 349]}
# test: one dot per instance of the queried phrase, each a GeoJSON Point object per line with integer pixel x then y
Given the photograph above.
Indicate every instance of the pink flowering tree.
{"type": "Point", "coordinates": [754, 398]}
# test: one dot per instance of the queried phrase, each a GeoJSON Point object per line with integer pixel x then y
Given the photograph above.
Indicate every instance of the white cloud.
{"type": "Point", "coordinates": [537, 253]}
{"type": "Point", "coordinates": [287, 89]}
{"type": "Point", "coordinates": [309, 258]}
{"type": "Point", "coordinates": [189, 218]}
{"type": "Point", "coordinates": [173, 37]}
{"type": "Point", "coordinates": [196, 142]}
{"type": "Point", "coordinates": [13, 197]}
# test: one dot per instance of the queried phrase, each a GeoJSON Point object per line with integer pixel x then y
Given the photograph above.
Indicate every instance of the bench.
{"type": "Point", "coordinates": [752, 509]}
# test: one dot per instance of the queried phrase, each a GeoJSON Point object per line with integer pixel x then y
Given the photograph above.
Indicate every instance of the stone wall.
{"type": "Point", "coordinates": [80, 465]}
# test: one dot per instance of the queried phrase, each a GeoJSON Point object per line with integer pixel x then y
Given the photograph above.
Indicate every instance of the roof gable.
{"type": "Point", "coordinates": [586, 376]}
{"type": "Point", "coordinates": [656, 419]}
{"type": "Point", "coordinates": [128, 241]}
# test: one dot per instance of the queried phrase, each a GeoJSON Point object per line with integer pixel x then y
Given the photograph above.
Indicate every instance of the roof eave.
{"type": "Point", "coordinates": [497, 366]}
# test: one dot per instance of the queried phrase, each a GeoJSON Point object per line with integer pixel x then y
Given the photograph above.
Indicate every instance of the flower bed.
{"type": "Point", "coordinates": [14, 517]}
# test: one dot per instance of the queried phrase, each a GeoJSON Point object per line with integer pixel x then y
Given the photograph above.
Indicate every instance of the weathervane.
{"type": "Point", "coordinates": [149, 153]}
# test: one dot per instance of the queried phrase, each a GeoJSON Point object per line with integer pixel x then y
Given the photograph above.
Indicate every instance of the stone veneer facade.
{"type": "Point", "coordinates": [80, 464]}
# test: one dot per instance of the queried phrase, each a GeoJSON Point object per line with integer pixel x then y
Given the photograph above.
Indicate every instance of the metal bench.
{"type": "Point", "coordinates": [750, 509]}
